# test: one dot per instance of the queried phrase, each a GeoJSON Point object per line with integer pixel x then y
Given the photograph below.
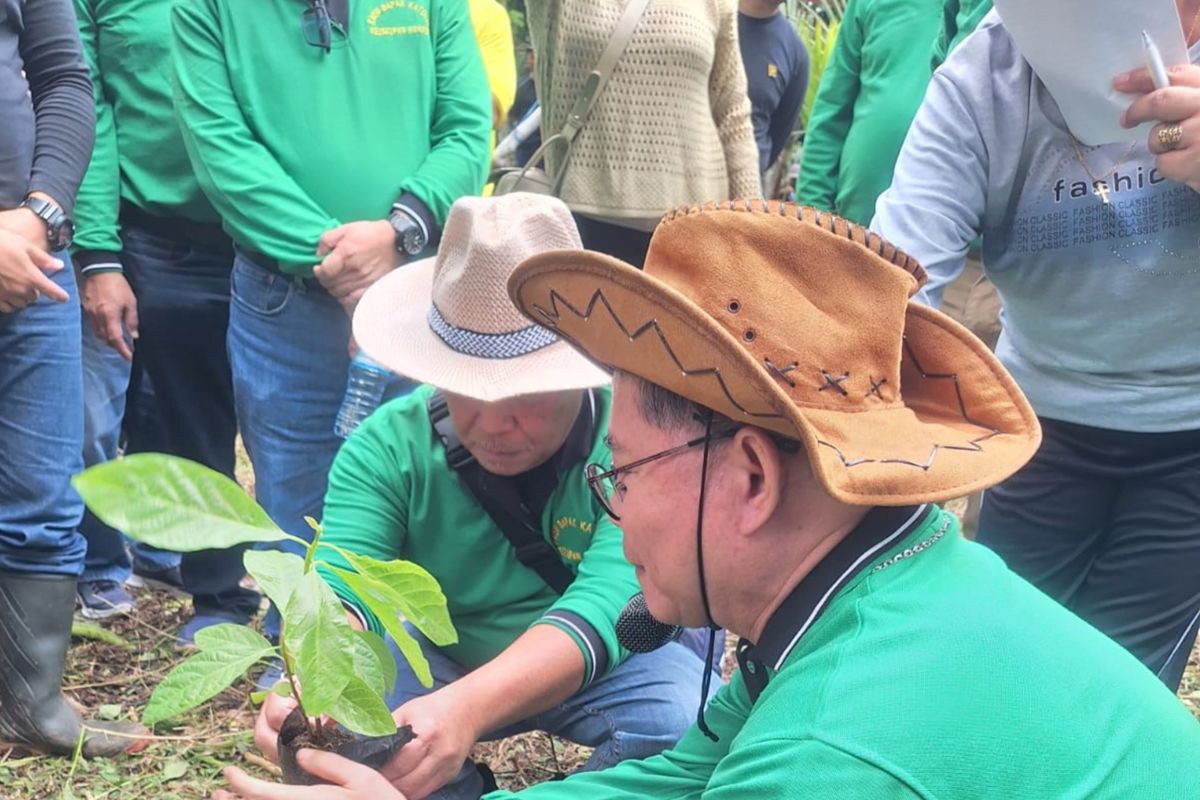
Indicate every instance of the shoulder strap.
{"type": "Point", "coordinates": [512, 518]}
{"type": "Point", "coordinates": [594, 84]}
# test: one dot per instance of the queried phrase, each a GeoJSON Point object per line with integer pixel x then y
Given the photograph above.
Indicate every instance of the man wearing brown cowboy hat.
{"type": "Point", "coordinates": [481, 481]}
{"type": "Point", "coordinates": [784, 421]}
{"type": "Point", "coordinates": [779, 444]}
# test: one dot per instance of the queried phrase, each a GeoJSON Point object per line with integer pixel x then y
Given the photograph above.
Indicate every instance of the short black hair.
{"type": "Point", "coordinates": [663, 408]}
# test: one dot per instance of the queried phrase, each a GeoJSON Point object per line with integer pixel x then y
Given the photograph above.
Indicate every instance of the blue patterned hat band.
{"type": "Point", "coordinates": [489, 345]}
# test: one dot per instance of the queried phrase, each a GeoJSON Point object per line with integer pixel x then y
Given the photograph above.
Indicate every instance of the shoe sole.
{"type": "Point", "coordinates": [98, 614]}
{"type": "Point", "coordinates": [142, 582]}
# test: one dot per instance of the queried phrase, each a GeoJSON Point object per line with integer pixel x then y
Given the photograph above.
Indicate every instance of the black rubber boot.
{"type": "Point", "coordinates": [35, 631]}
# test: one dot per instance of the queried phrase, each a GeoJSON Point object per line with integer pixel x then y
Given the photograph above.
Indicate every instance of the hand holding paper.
{"type": "Point", "coordinates": [1077, 46]}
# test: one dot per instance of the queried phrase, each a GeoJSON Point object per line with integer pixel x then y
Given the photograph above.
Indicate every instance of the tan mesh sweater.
{"type": "Point", "coordinates": [672, 126]}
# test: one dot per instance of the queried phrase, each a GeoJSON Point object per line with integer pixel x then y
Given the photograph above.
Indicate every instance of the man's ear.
{"type": "Point", "coordinates": [758, 473]}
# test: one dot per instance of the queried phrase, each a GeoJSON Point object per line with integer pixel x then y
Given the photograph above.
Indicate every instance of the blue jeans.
{"type": "Point", "coordinates": [41, 435]}
{"type": "Point", "coordinates": [638, 710]}
{"type": "Point", "coordinates": [105, 381]}
{"type": "Point", "coordinates": [288, 341]}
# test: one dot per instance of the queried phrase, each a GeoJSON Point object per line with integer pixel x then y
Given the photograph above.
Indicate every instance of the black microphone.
{"type": "Point", "coordinates": [639, 632]}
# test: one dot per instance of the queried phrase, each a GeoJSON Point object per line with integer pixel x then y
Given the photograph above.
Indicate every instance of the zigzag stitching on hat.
{"type": "Point", "coordinates": [839, 226]}
{"type": "Point", "coordinates": [972, 446]}
{"type": "Point", "coordinates": [554, 315]}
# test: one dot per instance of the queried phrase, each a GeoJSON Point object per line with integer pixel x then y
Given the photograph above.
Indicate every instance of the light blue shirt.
{"type": "Point", "coordinates": [1101, 318]}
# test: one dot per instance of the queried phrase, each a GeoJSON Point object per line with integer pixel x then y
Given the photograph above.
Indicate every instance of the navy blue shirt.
{"type": "Point", "coordinates": [776, 64]}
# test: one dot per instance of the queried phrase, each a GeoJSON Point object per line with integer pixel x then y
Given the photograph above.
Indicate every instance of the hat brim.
{"type": "Point", "coordinates": [963, 424]}
{"type": "Point", "coordinates": [391, 325]}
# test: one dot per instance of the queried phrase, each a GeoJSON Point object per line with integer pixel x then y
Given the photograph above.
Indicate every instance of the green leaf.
{"type": "Point", "coordinates": [88, 630]}
{"type": "Point", "coordinates": [233, 640]}
{"type": "Point", "coordinates": [174, 769]}
{"type": "Point", "coordinates": [199, 678]}
{"type": "Point", "coordinates": [109, 711]}
{"type": "Point", "coordinates": [362, 710]}
{"type": "Point", "coordinates": [275, 572]}
{"type": "Point", "coordinates": [373, 662]}
{"type": "Point", "coordinates": [321, 640]}
{"type": "Point", "coordinates": [382, 604]}
{"type": "Point", "coordinates": [173, 503]}
{"type": "Point", "coordinates": [407, 589]}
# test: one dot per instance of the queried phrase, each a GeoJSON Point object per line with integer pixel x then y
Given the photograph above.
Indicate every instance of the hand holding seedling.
{"type": "Point", "coordinates": [348, 781]}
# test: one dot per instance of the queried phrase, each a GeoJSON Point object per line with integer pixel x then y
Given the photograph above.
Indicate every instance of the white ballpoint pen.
{"type": "Point", "coordinates": [1154, 62]}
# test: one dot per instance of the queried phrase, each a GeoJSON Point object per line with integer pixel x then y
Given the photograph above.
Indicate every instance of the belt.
{"type": "Point", "coordinates": [176, 228]}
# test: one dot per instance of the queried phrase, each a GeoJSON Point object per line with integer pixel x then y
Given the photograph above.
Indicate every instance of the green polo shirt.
{"type": "Point", "coordinates": [139, 156]}
{"type": "Point", "coordinates": [392, 495]}
{"type": "Point", "coordinates": [289, 140]}
{"type": "Point", "coordinates": [913, 664]}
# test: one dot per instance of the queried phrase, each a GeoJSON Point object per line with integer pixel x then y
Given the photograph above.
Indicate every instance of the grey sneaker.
{"type": "Point", "coordinates": [168, 580]}
{"type": "Point", "coordinates": [103, 599]}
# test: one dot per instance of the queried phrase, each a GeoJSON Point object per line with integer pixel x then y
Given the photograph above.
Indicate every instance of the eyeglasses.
{"type": "Point", "coordinates": [318, 26]}
{"type": "Point", "coordinates": [603, 483]}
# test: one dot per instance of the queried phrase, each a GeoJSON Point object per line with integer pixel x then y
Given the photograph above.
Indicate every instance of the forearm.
{"type": "Point", "coordinates": [62, 100]}
{"type": "Point", "coordinates": [537, 672]}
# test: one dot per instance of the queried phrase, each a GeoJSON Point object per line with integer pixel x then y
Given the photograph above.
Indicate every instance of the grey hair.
{"type": "Point", "coordinates": [665, 409]}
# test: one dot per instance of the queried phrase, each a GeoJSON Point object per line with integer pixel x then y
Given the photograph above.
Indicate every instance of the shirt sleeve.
{"type": "Point", "coordinates": [97, 232]}
{"type": "Point", "coordinates": [366, 505]}
{"type": "Point", "coordinates": [65, 121]}
{"type": "Point", "coordinates": [461, 128]}
{"type": "Point", "coordinates": [935, 205]}
{"type": "Point", "coordinates": [588, 609]}
{"type": "Point", "coordinates": [783, 121]}
{"type": "Point", "coordinates": [258, 201]}
{"type": "Point", "coordinates": [681, 773]}
{"type": "Point", "coordinates": [730, 100]}
{"type": "Point", "coordinates": [830, 118]}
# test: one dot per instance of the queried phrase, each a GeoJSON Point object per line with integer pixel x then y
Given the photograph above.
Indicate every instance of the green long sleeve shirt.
{"type": "Point", "coordinates": [289, 140]}
{"type": "Point", "coordinates": [139, 157]}
{"type": "Point", "coordinates": [931, 672]}
{"type": "Point", "coordinates": [392, 495]}
{"type": "Point", "coordinates": [869, 93]}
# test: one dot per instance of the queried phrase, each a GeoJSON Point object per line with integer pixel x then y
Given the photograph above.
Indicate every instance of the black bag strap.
{"type": "Point", "coordinates": [511, 516]}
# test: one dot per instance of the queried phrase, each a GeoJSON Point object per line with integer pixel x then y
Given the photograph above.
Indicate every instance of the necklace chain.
{"type": "Point", "coordinates": [1100, 182]}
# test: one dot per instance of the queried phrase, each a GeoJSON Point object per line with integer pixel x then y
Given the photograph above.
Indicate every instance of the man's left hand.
{"type": "Point", "coordinates": [355, 256]}
{"type": "Point", "coordinates": [27, 225]}
{"type": "Point", "coordinates": [445, 729]}
{"type": "Point", "coordinates": [347, 781]}
{"type": "Point", "coordinates": [1177, 104]}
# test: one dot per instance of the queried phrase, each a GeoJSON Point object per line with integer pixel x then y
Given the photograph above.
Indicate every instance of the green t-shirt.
{"type": "Point", "coordinates": [288, 140]}
{"type": "Point", "coordinates": [139, 156]}
{"type": "Point", "coordinates": [392, 495]}
{"type": "Point", "coordinates": [934, 672]}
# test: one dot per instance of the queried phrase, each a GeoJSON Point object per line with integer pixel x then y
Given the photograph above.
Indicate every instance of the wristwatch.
{"type": "Point", "coordinates": [410, 234]}
{"type": "Point", "coordinates": [60, 230]}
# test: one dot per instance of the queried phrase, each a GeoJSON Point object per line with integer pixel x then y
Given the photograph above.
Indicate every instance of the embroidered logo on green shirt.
{"type": "Point", "coordinates": [398, 18]}
{"type": "Point", "coordinates": [571, 537]}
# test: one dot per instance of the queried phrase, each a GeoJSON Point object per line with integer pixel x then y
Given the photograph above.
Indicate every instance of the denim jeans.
{"type": "Point", "coordinates": [288, 341]}
{"type": "Point", "coordinates": [638, 710]}
{"type": "Point", "coordinates": [41, 435]}
{"type": "Point", "coordinates": [182, 286]}
{"type": "Point", "coordinates": [106, 378]}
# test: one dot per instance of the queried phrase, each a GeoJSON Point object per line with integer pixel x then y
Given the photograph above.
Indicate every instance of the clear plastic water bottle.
{"type": "Point", "coordinates": [366, 381]}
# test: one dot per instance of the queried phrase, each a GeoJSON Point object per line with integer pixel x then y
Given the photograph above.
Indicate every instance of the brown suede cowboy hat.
{"type": "Point", "coordinates": [798, 321]}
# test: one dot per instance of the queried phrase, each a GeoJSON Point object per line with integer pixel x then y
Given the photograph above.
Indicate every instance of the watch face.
{"type": "Point", "coordinates": [414, 241]}
{"type": "Point", "coordinates": [63, 235]}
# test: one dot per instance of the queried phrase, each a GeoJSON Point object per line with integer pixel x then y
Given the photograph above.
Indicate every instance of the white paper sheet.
{"type": "Point", "coordinates": [1078, 46]}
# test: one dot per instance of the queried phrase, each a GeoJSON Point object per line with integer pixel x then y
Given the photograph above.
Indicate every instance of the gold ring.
{"type": "Point", "coordinates": [1169, 136]}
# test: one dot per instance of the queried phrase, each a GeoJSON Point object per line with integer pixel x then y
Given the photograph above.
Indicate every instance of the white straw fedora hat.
{"type": "Point", "coordinates": [448, 321]}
